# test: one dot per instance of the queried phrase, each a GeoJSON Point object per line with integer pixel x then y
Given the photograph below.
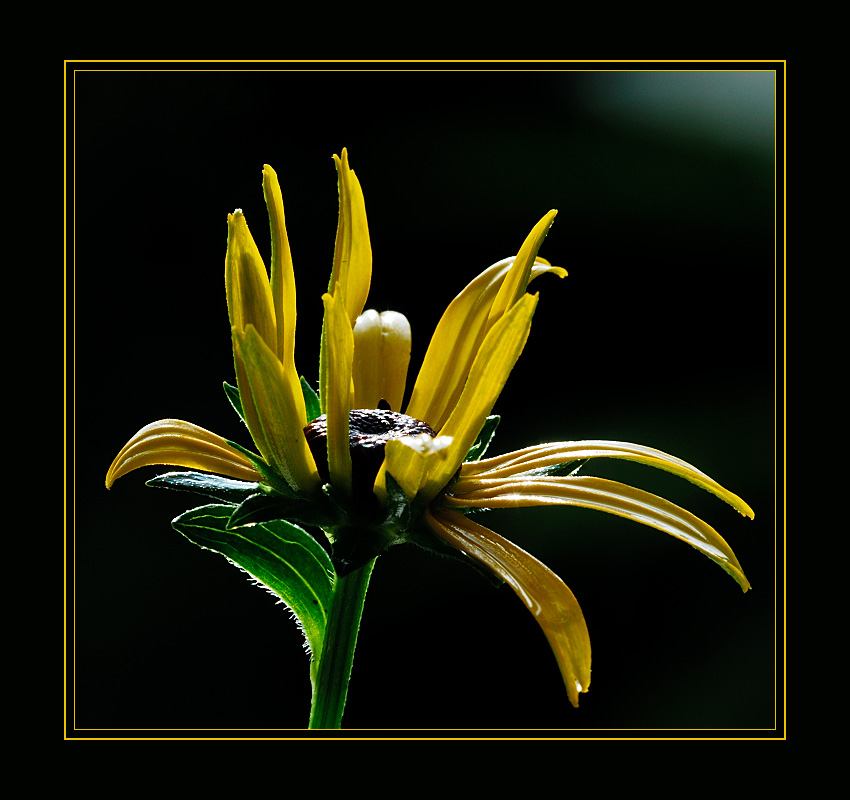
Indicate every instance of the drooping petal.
{"type": "Point", "coordinates": [546, 596]}
{"type": "Point", "coordinates": [249, 296]}
{"type": "Point", "coordinates": [490, 370]}
{"type": "Point", "coordinates": [602, 495]}
{"type": "Point", "coordinates": [381, 356]}
{"type": "Point", "coordinates": [548, 455]}
{"type": "Point", "coordinates": [352, 268]}
{"type": "Point", "coordinates": [177, 443]}
{"type": "Point", "coordinates": [275, 412]}
{"type": "Point", "coordinates": [282, 274]}
{"type": "Point", "coordinates": [456, 341]}
{"type": "Point", "coordinates": [335, 387]}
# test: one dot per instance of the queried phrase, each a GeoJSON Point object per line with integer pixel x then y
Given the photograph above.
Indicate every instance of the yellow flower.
{"type": "Point", "coordinates": [474, 348]}
{"type": "Point", "coordinates": [416, 475]}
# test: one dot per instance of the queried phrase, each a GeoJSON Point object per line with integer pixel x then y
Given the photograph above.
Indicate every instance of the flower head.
{"type": "Point", "coordinates": [354, 462]}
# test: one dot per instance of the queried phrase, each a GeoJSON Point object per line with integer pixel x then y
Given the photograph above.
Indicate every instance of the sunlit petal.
{"type": "Point", "coordinates": [180, 444]}
{"type": "Point", "coordinates": [409, 460]}
{"type": "Point", "coordinates": [352, 268]}
{"type": "Point", "coordinates": [548, 455]}
{"type": "Point", "coordinates": [492, 366]}
{"type": "Point", "coordinates": [277, 416]}
{"type": "Point", "coordinates": [602, 495]}
{"type": "Point", "coordinates": [282, 274]}
{"type": "Point", "coordinates": [381, 356]}
{"type": "Point", "coordinates": [517, 279]}
{"type": "Point", "coordinates": [544, 594]}
{"type": "Point", "coordinates": [249, 296]}
{"type": "Point", "coordinates": [335, 387]}
{"type": "Point", "coordinates": [456, 341]}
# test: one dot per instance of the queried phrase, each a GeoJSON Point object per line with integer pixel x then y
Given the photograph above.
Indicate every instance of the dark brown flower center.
{"type": "Point", "coordinates": [369, 430]}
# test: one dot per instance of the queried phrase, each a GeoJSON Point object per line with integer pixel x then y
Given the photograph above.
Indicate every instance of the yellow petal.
{"type": "Point", "coordinates": [492, 366]}
{"type": "Point", "coordinates": [335, 387]}
{"type": "Point", "coordinates": [381, 356]}
{"type": "Point", "coordinates": [409, 460]}
{"type": "Point", "coordinates": [544, 594]}
{"type": "Point", "coordinates": [249, 296]}
{"type": "Point", "coordinates": [547, 455]}
{"type": "Point", "coordinates": [517, 279]}
{"type": "Point", "coordinates": [602, 495]}
{"type": "Point", "coordinates": [180, 444]}
{"type": "Point", "coordinates": [352, 268]}
{"type": "Point", "coordinates": [274, 408]}
{"type": "Point", "coordinates": [456, 342]}
{"type": "Point", "coordinates": [282, 274]}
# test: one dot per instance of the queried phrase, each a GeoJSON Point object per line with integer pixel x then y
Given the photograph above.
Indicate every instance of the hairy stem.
{"type": "Point", "coordinates": [330, 682]}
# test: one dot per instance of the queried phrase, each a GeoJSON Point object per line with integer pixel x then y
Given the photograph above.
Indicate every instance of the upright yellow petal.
{"type": "Point", "coordinates": [180, 444]}
{"type": "Point", "coordinates": [456, 341]}
{"type": "Point", "coordinates": [352, 268]}
{"type": "Point", "coordinates": [381, 357]}
{"type": "Point", "coordinates": [544, 594]}
{"type": "Point", "coordinates": [275, 410]}
{"type": "Point", "coordinates": [249, 296]}
{"type": "Point", "coordinates": [517, 279]}
{"type": "Point", "coordinates": [492, 366]}
{"type": "Point", "coordinates": [335, 388]}
{"type": "Point", "coordinates": [282, 274]}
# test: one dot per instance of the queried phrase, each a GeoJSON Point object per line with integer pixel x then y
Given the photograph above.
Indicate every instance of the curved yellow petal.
{"type": "Point", "coordinates": [456, 341]}
{"type": "Point", "coordinates": [381, 357]}
{"type": "Point", "coordinates": [352, 268]}
{"type": "Point", "coordinates": [249, 296]}
{"type": "Point", "coordinates": [544, 594]}
{"type": "Point", "coordinates": [490, 370]}
{"type": "Point", "coordinates": [517, 279]}
{"type": "Point", "coordinates": [274, 407]}
{"type": "Point", "coordinates": [177, 443]}
{"type": "Point", "coordinates": [335, 387]}
{"type": "Point", "coordinates": [282, 273]}
{"type": "Point", "coordinates": [602, 495]}
{"type": "Point", "coordinates": [548, 455]}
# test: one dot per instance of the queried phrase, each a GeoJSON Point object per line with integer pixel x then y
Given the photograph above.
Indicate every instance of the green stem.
{"type": "Point", "coordinates": [330, 683]}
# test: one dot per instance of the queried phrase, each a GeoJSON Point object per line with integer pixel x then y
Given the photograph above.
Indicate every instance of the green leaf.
{"type": "Point", "coordinates": [235, 400]}
{"type": "Point", "coordinates": [311, 400]}
{"type": "Point", "coordinates": [264, 506]}
{"type": "Point", "coordinates": [279, 555]}
{"type": "Point", "coordinates": [485, 436]}
{"type": "Point", "coordinates": [227, 490]}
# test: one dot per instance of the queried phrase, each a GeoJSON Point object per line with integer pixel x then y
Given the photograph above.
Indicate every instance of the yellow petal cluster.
{"type": "Point", "coordinates": [364, 361]}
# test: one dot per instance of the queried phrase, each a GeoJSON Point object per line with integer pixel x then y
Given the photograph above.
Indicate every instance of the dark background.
{"type": "Point", "coordinates": [663, 334]}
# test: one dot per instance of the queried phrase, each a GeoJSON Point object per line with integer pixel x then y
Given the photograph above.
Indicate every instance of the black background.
{"type": "Point", "coordinates": [663, 334]}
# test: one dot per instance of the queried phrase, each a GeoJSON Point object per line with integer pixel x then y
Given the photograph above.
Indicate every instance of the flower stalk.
{"type": "Point", "coordinates": [333, 669]}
